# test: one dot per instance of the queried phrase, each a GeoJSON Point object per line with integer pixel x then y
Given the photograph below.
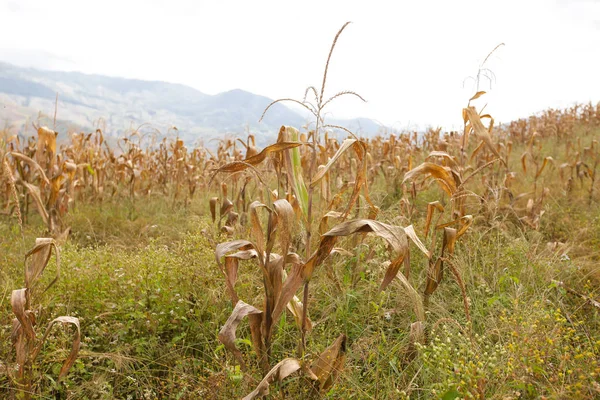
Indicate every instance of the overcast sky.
{"type": "Point", "coordinates": [408, 59]}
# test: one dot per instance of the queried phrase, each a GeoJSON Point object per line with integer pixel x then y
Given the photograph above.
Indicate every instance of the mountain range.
{"type": "Point", "coordinates": [118, 105]}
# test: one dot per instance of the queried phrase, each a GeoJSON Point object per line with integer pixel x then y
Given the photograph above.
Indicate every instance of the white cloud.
{"type": "Point", "coordinates": [409, 59]}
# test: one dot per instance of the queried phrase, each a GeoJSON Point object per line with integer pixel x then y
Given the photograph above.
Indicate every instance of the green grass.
{"type": "Point", "coordinates": [151, 300]}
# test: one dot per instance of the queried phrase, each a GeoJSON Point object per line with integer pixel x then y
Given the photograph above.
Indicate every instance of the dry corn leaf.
{"type": "Point", "coordinates": [442, 175]}
{"type": "Point", "coordinates": [392, 270]}
{"type": "Point", "coordinates": [226, 207]}
{"type": "Point", "coordinates": [68, 363]}
{"type": "Point", "coordinates": [395, 236]}
{"type": "Point", "coordinates": [37, 259]}
{"type": "Point", "coordinates": [523, 161]}
{"type": "Point", "coordinates": [480, 130]}
{"type": "Point", "coordinates": [410, 232]}
{"type": "Point", "coordinates": [442, 154]}
{"type": "Point", "coordinates": [278, 373]}
{"type": "Point", "coordinates": [346, 144]}
{"type": "Point", "coordinates": [341, 251]}
{"type": "Point", "coordinates": [465, 222]}
{"type": "Point", "coordinates": [55, 185]}
{"type": "Point", "coordinates": [19, 301]}
{"type": "Point", "coordinates": [231, 272]}
{"type": "Point", "coordinates": [284, 217]}
{"type": "Point", "coordinates": [237, 166]}
{"type": "Point", "coordinates": [325, 185]}
{"type": "Point", "coordinates": [256, 228]}
{"type": "Point", "coordinates": [450, 237]}
{"type": "Point", "coordinates": [22, 345]}
{"type": "Point", "coordinates": [301, 272]}
{"type": "Point", "coordinates": [479, 147]}
{"type": "Point", "coordinates": [244, 254]}
{"type": "Point", "coordinates": [436, 270]}
{"type": "Point", "coordinates": [274, 283]}
{"type": "Point", "coordinates": [227, 332]}
{"type": "Point", "coordinates": [324, 224]}
{"type": "Point", "coordinates": [434, 276]}
{"type": "Point", "coordinates": [295, 306]}
{"type": "Point", "coordinates": [32, 163]}
{"type": "Point", "coordinates": [330, 363]}
{"type": "Point", "coordinates": [250, 148]}
{"type": "Point", "coordinates": [223, 248]}
{"type": "Point", "coordinates": [544, 163]}
{"type": "Point", "coordinates": [255, 321]}
{"type": "Point", "coordinates": [431, 207]}
{"type": "Point", "coordinates": [477, 95]}
{"type": "Point", "coordinates": [34, 192]}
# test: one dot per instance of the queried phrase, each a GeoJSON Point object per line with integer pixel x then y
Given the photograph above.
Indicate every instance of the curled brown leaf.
{"type": "Point", "coordinates": [227, 332]}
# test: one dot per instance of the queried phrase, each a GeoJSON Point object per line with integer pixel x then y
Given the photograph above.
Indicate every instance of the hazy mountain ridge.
{"type": "Point", "coordinates": [121, 103]}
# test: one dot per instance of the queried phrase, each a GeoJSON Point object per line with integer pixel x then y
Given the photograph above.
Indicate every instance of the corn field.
{"type": "Point", "coordinates": [393, 219]}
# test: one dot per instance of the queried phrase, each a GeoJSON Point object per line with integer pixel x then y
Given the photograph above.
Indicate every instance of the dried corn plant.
{"type": "Point", "coordinates": [26, 340]}
{"type": "Point", "coordinates": [293, 203]}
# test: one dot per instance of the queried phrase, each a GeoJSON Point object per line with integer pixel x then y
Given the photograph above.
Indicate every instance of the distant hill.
{"type": "Point", "coordinates": [117, 104]}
